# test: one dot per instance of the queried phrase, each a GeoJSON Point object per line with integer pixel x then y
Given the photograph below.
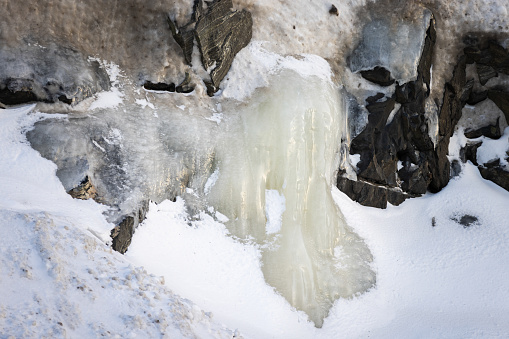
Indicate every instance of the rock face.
{"type": "Point", "coordinates": [220, 34]}
{"type": "Point", "coordinates": [49, 73]}
{"type": "Point", "coordinates": [399, 158]}
{"type": "Point", "coordinates": [397, 154]}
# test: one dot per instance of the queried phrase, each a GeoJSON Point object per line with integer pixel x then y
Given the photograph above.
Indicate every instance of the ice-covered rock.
{"type": "Point", "coordinates": [50, 73]}
{"type": "Point", "coordinates": [392, 42]}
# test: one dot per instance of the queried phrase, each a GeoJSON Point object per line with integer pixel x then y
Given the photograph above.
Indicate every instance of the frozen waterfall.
{"type": "Point", "coordinates": [286, 140]}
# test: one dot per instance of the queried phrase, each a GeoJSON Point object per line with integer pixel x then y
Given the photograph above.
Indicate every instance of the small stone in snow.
{"type": "Point", "coordinates": [333, 11]}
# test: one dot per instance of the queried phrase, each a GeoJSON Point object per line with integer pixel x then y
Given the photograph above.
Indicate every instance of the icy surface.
{"type": "Point", "coordinates": [287, 139]}
{"type": "Point", "coordinates": [393, 44]}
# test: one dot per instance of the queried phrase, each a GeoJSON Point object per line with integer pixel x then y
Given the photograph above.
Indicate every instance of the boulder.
{"type": "Point", "coordinates": [496, 174]}
{"type": "Point", "coordinates": [378, 75]}
{"type": "Point", "coordinates": [122, 234]}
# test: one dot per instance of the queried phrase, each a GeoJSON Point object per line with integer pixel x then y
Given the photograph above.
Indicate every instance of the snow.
{"type": "Point", "coordinates": [275, 205]}
{"type": "Point", "coordinates": [113, 97]}
{"type": "Point", "coordinates": [443, 281]}
{"type": "Point", "coordinates": [257, 64]}
{"type": "Point", "coordinates": [58, 276]}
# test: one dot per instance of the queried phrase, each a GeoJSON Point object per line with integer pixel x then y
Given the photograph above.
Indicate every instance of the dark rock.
{"type": "Point", "coordinates": [485, 73]}
{"type": "Point", "coordinates": [333, 10]}
{"type": "Point", "coordinates": [472, 54]}
{"type": "Point", "coordinates": [122, 234]}
{"type": "Point", "coordinates": [84, 191]}
{"type": "Point", "coordinates": [370, 195]}
{"type": "Point", "coordinates": [378, 75]}
{"type": "Point", "coordinates": [497, 175]}
{"type": "Point", "coordinates": [405, 138]}
{"type": "Point", "coordinates": [490, 131]}
{"type": "Point", "coordinates": [450, 113]}
{"type": "Point", "coordinates": [424, 67]}
{"type": "Point", "coordinates": [455, 168]}
{"type": "Point", "coordinates": [466, 220]}
{"type": "Point", "coordinates": [184, 36]}
{"type": "Point", "coordinates": [476, 97]}
{"type": "Point", "coordinates": [185, 86]}
{"type": "Point", "coordinates": [18, 91]}
{"type": "Point", "coordinates": [492, 163]}
{"type": "Point", "coordinates": [499, 57]}
{"type": "Point", "coordinates": [396, 198]}
{"type": "Point", "coordinates": [364, 193]}
{"type": "Point", "coordinates": [221, 33]}
{"type": "Point", "coordinates": [414, 180]}
{"type": "Point", "coordinates": [160, 86]}
{"type": "Point", "coordinates": [375, 98]}
{"type": "Point", "coordinates": [501, 99]}
{"type": "Point", "coordinates": [469, 152]}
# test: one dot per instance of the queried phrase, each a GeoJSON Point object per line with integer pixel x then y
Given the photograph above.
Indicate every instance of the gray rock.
{"type": "Point", "coordinates": [490, 131]}
{"type": "Point", "coordinates": [123, 233]}
{"type": "Point", "coordinates": [49, 73]}
{"type": "Point", "coordinates": [220, 34]}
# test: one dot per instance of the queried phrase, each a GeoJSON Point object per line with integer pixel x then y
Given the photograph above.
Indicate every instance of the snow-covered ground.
{"type": "Point", "coordinates": [58, 278]}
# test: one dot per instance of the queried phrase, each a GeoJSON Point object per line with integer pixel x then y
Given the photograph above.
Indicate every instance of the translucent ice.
{"type": "Point", "coordinates": [287, 140]}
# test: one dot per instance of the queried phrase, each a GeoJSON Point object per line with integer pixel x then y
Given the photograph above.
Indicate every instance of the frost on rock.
{"type": "Point", "coordinates": [393, 43]}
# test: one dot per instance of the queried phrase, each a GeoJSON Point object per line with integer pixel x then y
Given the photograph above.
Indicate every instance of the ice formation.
{"type": "Point", "coordinates": [287, 139]}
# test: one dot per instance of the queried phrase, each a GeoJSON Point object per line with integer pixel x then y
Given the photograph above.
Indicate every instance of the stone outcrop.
{"type": "Point", "coordinates": [396, 136]}
{"type": "Point", "coordinates": [51, 73]}
{"type": "Point", "coordinates": [496, 174]}
{"type": "Point", "coordinates": [220, 34]}
{"type": "Point", "coordinates": [84, 191]}
{"type": "Point", "coordinates": [398, 158]}
{"type": "Point", "coordinates": [122, 234]}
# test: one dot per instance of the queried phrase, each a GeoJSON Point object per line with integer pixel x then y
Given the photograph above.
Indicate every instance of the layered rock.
{"type": "Point", "coordinates": [220, 34]}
